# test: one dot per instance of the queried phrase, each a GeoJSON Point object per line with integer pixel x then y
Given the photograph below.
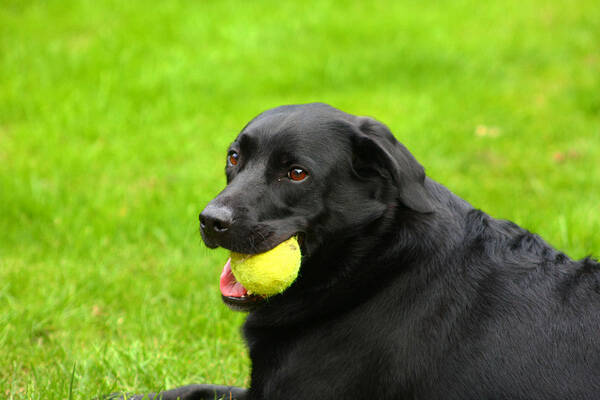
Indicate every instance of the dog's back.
{"type": "Point", "coordinates": [515, 318]}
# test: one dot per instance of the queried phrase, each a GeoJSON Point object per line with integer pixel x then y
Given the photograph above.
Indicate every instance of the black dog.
{"type": "Point", "coordinates": [405, 291]}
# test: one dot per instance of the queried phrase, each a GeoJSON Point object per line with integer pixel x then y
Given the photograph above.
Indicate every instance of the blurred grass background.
{"type": "Point", "coordinates": [114, 121]}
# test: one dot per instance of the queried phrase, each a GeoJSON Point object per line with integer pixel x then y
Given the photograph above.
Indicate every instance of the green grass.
{"type": "Point", "coordinates": [114, 120]}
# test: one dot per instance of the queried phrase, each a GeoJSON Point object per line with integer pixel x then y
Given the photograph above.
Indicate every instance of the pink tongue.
{"type": "Point", "coordinates": [230, 287]}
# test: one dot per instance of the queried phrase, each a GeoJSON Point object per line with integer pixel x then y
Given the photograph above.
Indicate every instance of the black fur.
{"type": "Point", "coordinates": [405, 291]}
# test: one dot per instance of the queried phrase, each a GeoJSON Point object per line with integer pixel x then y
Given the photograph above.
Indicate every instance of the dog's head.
{"type": "Point", "coordinates": [312, 171]}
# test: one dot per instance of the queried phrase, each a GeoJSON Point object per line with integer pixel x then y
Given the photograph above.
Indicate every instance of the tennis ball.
{"type": "Point", "coordinates": [270, 272]}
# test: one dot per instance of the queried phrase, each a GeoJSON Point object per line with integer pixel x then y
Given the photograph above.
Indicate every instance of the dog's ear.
{"type": "Point", "coordinates": [376, 150]}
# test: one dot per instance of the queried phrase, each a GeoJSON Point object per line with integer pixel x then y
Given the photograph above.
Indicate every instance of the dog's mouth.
{"type": "Point", "coordinates": [235, 295]}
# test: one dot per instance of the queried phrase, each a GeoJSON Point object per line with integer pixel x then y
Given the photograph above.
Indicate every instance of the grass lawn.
{"type": "Point", "coordinates": [114, 121]}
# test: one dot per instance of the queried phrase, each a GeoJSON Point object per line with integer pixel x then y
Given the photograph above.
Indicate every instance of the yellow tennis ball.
{"type": "Point", "coordinates": [270, 272]}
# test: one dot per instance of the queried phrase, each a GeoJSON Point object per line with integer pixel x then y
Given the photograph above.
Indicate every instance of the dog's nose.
{"type": "Point", "coordinates": [215, 220]}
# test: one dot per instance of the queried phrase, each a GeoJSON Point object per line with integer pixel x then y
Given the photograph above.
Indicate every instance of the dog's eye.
{"type": "Point", "coordinates": [297, 174]}
{"type": "Point", "coordinates": [233, 158]}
